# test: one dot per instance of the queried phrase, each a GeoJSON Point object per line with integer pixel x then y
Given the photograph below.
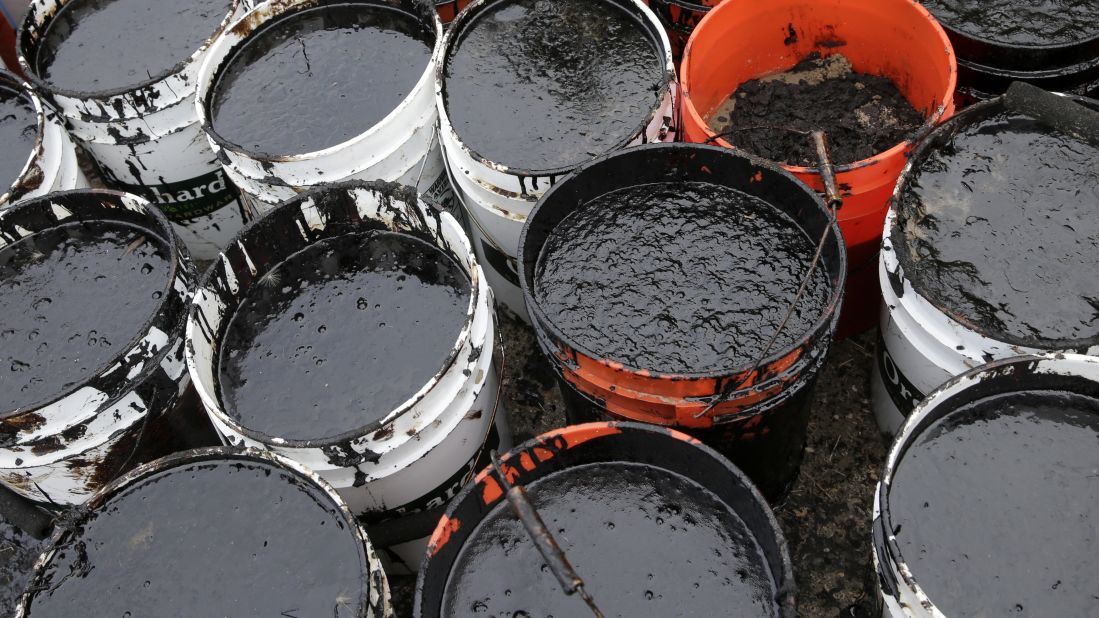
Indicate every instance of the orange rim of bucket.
{"type": "Point", "coordinates": [939, 114]}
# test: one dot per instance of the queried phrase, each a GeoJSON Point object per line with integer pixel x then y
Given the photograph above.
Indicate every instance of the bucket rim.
{"type": "Point", "coordinates": [464, 334]}
{"type": "Point", "coordinates": [667, 82]}
{"type": "Point", "coordinates": [176, 267]}
{"type": "Point", "coordinates": [829, 314]}
{"type": "Point", "coordinates": [24, 42]}
{"type": "Point", "coordinates": [930, 122]}
{"type": "Point", "coordinates": [967, 117]}
{"type": "Point", "coordinates": [785, 594]}
{"type": "Point", "coordinates": [1015, 47]}
{"type": "Point", "coordinates": [20, 185]}
{"type": "Point", "coordinates": [937, 406]}
{"type": "Point", "coordinates": [100, 498]}
{"type": "Point", "coordinates": [280, 10]}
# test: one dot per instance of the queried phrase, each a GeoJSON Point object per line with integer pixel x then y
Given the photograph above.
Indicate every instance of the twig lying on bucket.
{"type": "Point", "coordinates": [555, 558]}
{"type": "Point", "coordinates": [833, 201]}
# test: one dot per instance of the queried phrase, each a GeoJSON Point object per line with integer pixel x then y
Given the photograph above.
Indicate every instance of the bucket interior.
{"type": "Point", "coordinates": [593, 444]}
{"type": "Point", "coordinates": [740, 41]}
{"type": "Point", "coordinates": [327, 212]}
{"type": "Point", "coordinates": [22, 184]}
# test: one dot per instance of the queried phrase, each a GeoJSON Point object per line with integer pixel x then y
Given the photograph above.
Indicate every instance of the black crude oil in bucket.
{"type": "Point", "coordinates": [679, 277]}
{"type": "Point", "coordinates": [998, 228]}
{"type": "Point", "coordinates": [340, 334]}
{"type": "Point", "coordinates": [993, 506]}
{"type": "Point", "coordinates": [73, 298]}
{"type": "Point", "coordinates": [18, 551]}
{"type": "Point", "coordinates": [111, 45]}
{"type": "Point", "coordinates": [647, 541]}
{"type": "Point", "coordinates": [209, 537]}
{"type": "Point", "coordinates": [549, 84]}
{"type": "Point", "coordinates": [863, 115]}
{"type": "Point", "coordinates": [321, 75]}
{"type": "Point", "coordinates": [1020, 22]}
{"type": "Point", "coordinates": [18, 134]}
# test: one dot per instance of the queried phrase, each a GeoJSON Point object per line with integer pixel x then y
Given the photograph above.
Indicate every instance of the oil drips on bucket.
{"type": "Point", "coordinates": [863, 115]}
{"type": "Point", "coordinates": [678, 277]}
{"type": "Point", "coordinates": [993, 506]}
{"type": "Point", "coordinates": [550, 84]}
{"type": "Point", "coordinates": [340, 334]}
{"type": "Point", "coordinates": [18, 133]}
{"type": "Point", "coordinates": [228, 538]}
{"type": "Point", "coordinates": [647, 542]}
{"type": "Point", "coordinates": [998, 227]}
{"type": "Point", "coordinates": [71, 299]}
{"type": "Point", "coordinates": [322, 76]}
{"type": "Point", "coordinates": [1020, 22]}
{"type": "Point", "coordinates": [104, 45]}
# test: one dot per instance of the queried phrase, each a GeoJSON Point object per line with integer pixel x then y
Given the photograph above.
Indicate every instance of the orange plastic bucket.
{"type": "Point", "coordinates": [741, 40]}
{"type": "Point", "coordinates": [680, 17]}
{"type": "Point", "coordinates": [449, 9]}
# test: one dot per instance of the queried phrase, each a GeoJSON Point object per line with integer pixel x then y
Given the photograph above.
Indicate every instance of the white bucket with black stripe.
{"type": "Point", "coordinates": [403, 147]}
{"type": "Point", "coordinates": [398, 471]}
{"type": "Point", "coordinates": [495, 197]}
{"type": "Point", "coordinates": [51, 164]}
{"type": "Point", "coordinates": [146, 139]}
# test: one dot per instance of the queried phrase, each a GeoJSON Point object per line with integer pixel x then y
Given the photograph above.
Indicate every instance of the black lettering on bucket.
{"type": "Point", "coordinates": [507, 266]}
{"type": "Point", "coordinates": [441, 192]}
{"type": "Point", "coordinates": [187, 199]}
{"type": "Point", "coordinates": [904, 394]}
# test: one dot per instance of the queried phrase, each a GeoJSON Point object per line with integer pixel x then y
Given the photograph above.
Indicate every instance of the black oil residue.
{"type": "Point", "coordinates": [207, 539]}
{"type": "Point", "coordinates": [994, 506]}
{"type": "Point", "coordinates": [678, 277]}
{"type": "Point", "coordinates": [321, 76]}
{"type": "Point", "coordinates": [101, 45]}
{"type": "Point", "coordinates": [549, 84]}
{"type": "Point", "coordinates": [18, 133]}
{"type": "Point", "coordinates": [647, 542]}
{"type": "Point", "coordinates": [1020, 22]}
{"type": "Point", "coordinates": [999, 227]}
{"type": "Point", "coordinates": [71, 299]}
{"type": "Point", "coordinates": [861, 114]}
{"type": "Point", "coordinates": [340, 334]}
{"type": "Point", "coordinates": [18, 551]}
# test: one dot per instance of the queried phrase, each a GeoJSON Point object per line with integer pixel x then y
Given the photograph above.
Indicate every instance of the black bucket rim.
{"type": "Point", "coordinates": [176, 259]}
{"type": "Point", "coordinates": [785, 591]}
{"type": "Point", "coordinates": [27, 50]}
{"type": "Point", "coordinates": [886, 548]}
{"type": "Point", "coordinates": [829, 315]}
{"type": "Point", "coordinates": [944, 132]}
{"type": "Point", "coordinates": [204, 282]}
{"type": "Point", "coordinates": [471, 12]}
{"type": "Point", "coordinates": [322, 489]}
{"type": "Point", "coordinates": [991, 47]}
{"type": "Point", "coordinates": [18, 86]}
{"type": "Point", "coordinates": [288, 9]}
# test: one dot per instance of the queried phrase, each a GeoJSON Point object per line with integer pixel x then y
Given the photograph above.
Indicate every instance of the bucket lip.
{"type": "Point", "coordinates": [828, 313]}
{"type": "Point", "coordinates": [916, 137]}
{"type": "Point", "coordinates": [468, 14]}
{"type": "Point", "coordinates": [18, 187]}
{"type": "Point", "coordinates": [287, 9]}
{"type": "Point", "coordinates": [1002, 46]}
{"type": "Point", "coordinates": [23, 40]}
{"type": "Point", "coordinates": [911, 430]}
{"type": "Point", "coordinates": [962, 119]}
{"type": "Point", "coordinates": [175, 267]}
{"type": "Point", "coordinates": [203, 285]}
{"type": "Point", "coordinates": [1083, 66]}
{"type": "Point", "coordinates": [594, 431]}
{"type": "Point", "coordinates": [217, 454]}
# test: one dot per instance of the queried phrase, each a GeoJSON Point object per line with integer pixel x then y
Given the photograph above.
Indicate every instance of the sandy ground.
{"type": "Point", "coordinates": [826, 517]}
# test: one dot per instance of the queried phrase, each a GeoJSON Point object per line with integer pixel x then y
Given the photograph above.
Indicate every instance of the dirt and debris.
{"type": "Point", "coordinates": [862, 114]}
{"type": "Point", "coordinates": [826, 517]}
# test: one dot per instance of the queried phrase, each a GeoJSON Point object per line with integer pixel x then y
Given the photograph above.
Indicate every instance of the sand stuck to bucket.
{"type": "Point", "coordinates": [863, 115]}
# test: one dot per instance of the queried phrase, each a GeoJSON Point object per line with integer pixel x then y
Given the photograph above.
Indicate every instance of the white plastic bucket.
{"type": "Point", "coordinates": [901, 593]}
{"type": "Point", "coordinates": [400, 471]}
{"type": "Point", "coordinates": [402, 148]}
{"type": "Point", "coordinates": [496, 199]}
{"type": "Point", "coordinates": [51, 165]}
{"type": "Point", "coordinates": [63, 450]}
{"type": "Point", "coordinates": [920, 346]}
{"type": "Point", "coordinates": [147, 140]}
